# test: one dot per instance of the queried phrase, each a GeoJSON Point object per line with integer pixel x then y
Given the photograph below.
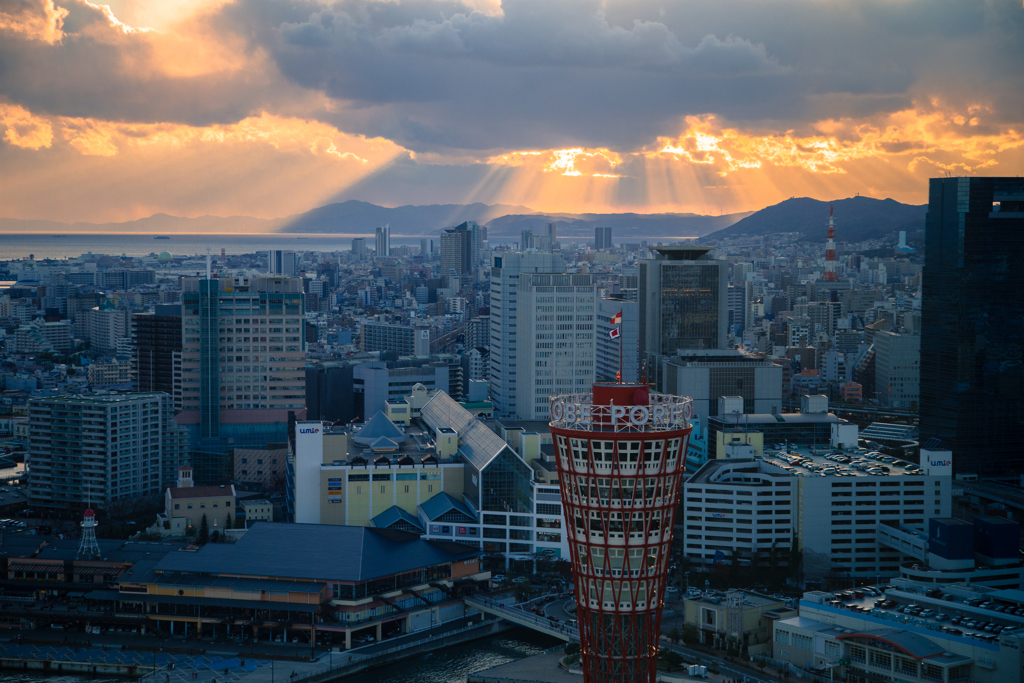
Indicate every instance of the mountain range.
{"type": "Point", "coordinates": [857, 218]}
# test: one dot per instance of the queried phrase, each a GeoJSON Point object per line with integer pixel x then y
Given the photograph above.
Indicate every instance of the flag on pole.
{"type": "Point", "coordinates": [617, 318]}
{"type": "Point", "coordinates": [615, 334]}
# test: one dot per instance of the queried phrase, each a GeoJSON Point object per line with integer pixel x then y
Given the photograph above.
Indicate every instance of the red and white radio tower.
{"type": "Point", "coordinates": [621, 455]}
{"type": "Point", "coordinates": [830, 251]}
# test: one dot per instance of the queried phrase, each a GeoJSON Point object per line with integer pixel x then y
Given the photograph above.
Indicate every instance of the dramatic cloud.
{"type": "Point", "coordinates": [556, 104]}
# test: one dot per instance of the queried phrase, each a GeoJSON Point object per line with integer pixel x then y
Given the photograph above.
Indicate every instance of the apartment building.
{"type": "Point", "coordinates": [94, 450]}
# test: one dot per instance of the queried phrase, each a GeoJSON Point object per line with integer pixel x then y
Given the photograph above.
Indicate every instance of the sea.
{"type": "Point", "coordinates": [71, 245]}
{"type": "Point", "coordinates": [450, 665]}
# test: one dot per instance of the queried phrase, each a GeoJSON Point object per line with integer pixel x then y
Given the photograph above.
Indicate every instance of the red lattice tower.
{"type": "Point", "coordinates": [621, 456]}
{"type": "Point", "coordinates": [830, 251]}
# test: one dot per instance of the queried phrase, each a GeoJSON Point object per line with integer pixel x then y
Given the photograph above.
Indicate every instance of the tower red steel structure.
{"type": "Point", "coordinates": [621, 455]}
{"type": "Point", "coordinates": [830, 251]}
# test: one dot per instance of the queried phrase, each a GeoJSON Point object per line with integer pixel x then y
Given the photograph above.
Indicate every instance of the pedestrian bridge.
{"type": "Point", "coordinates": [537, 622]}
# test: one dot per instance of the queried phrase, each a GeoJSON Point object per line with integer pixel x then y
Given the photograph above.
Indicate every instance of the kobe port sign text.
{"type": "Point", "coordinates": [657, 415]}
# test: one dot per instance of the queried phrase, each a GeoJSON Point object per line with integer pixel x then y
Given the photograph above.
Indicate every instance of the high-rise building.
{"type": "Point", "coordinates": [683, 302]}
{"type": "Point", "coordinates": [739, 309]}
{"type": "Point", "coordinates": [99, 449]}
{"type": "Point", "coordinates": [620, 456]}
{"type": "Point", "coordinates": [550, 237]}
{"type": "Point", "coordinates": [359, 248]}
{"type": "Point", "coordinates": [602, 238]}
{"type": "Point", "coordinates": [457, 250]}
{"type": "Point", "coordinates": [383, 243]}
{"type": "Point", "coordinates": [609, 347]}
{"type": "Point", "coordinates": [897, 369]}
{"type": "Point", "coordinates": [478, 237]}
{"type": "Point", "coordinates": [281, 262]}
{"type": "Point", "coordinates": [107, 324]}
{"type": "Point", "coordinates": [157, 337]}
{"type": "Point", "coordinates": [972, 323]}
{"type": "Point", "coordinates": [555, 340]}
{"type": "Point", "coordinates": [526, 240]}
{"type": "Point", "coordinates": [505, 273]}
{"type": "Point", "coordinates": [243, 366]}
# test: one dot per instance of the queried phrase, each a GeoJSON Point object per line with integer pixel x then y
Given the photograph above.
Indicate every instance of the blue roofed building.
{"type": "Point", "coordinates": [330, 584]}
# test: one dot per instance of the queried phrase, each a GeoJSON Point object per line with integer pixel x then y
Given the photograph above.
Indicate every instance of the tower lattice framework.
{"type": "Point", "coordinates": [88, 547]}
{"type": "Point", "coordinates": [620, 472]}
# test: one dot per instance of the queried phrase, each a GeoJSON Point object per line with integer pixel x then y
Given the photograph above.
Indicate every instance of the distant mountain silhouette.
{"type": "Point", "coordinates": [857, 219]}
{"type": "Point", "coordinates": [626, 227]}
{"type": "Point", "coordinates": [359, 217]}
{"type": "Point", "coordinates": [505, 222]}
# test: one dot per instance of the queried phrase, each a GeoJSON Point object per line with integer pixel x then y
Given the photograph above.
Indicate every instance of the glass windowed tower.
{"type": "Point", "coordinates": [621, 457]}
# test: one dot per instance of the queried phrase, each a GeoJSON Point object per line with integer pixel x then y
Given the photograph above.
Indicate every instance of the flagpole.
{"type": "Point", "coordinates": [621, 379]}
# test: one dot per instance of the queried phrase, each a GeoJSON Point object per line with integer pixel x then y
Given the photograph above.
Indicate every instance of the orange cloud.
{"type": "Point", "coordinates": [21, 129]}
{"type": "Point", "coordinates": [92, 137]}
{"type": "Point", "coordinates": [266, 166]}
{"type": "Point", "coordinates": [44, 22]}
{"type": "Point", "coordinates": [946, 139]}
{"type": "Point", "coordinates": [568, 162]}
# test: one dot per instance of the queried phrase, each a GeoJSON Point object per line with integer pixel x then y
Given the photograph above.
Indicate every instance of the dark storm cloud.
{"type": "Point", "coordinates": [437, 76]}
{"type": "Point", "coordinates": [548, 73]}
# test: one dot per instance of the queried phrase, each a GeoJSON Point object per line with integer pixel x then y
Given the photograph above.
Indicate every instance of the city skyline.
{"type": "Point", "coordinates": [222, 108]}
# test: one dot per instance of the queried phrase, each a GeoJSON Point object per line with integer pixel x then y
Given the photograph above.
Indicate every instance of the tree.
{"type": "Point", "coordinates": [203, 537]}
{"type": "Point", "coordinates": [674, 635]}
{"type": "Point", "coordinates": [572, 648]}
{"type": "Point", "coordinates": [671, 659]}
{"type": "Point", "coordinates": [691, 635]}
{"type": "Point", "coordinates": [228, 524]}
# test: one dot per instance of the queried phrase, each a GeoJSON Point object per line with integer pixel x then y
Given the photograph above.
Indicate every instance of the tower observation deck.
{"type": "Point", "coordinates": [620, 453]}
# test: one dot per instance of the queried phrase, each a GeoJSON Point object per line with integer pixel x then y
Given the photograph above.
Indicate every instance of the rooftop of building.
{"type": "Point", "coordinates": [528, 426]}
{"type": "Point", "coordinates": [744, 419]}
{"type": "Point", "coordinates": [801, 461]}
{"type": "Point", "coordinates": [477, 443]}
{"type": "Point", "coordinates": [740, 598]}
{"type": "Point", "coordinates": [97, 399]}
{"type": "Point", "coordinates": [317, 552]}
{"type": "Point", "coordinates": [201, 492]}
{"type": "Point", "coordinates": [716, 471]}
{"type": "Point", "coordinates": [679, 252]}
{"type": "Point", "coordinates": [958, 609]}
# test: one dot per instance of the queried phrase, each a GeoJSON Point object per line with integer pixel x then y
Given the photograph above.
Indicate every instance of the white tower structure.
{"type": "Point", "coordinates": [89, 547]}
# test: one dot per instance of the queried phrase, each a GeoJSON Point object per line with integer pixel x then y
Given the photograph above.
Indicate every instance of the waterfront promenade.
{"type": "Point", "coordinates": [177, 660]}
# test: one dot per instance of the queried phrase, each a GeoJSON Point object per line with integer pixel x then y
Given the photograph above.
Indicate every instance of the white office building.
{"type": "Point", "coordinates": [734, 510]}
{"type": "Point", "coordinates": [834, 509]}
{"type": "Point", "coordinates": [505, 272]}
{"type": "Point", "coordinates": [555, 342]}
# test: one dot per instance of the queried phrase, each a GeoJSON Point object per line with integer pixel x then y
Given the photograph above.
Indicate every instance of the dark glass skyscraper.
{"type": "Point", "coordinates": [682, 303]}
{"type": "Point", "coordinates": [972, 333]}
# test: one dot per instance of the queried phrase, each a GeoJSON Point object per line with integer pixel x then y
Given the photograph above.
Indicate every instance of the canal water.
{"type": "Point", "coordinates": [453, 664]}
{"type": "Point", "coordinates": [450, 665]}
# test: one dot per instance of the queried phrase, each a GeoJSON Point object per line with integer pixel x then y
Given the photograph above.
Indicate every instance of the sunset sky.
{"type": "Point", "coordinates": [272, 107]}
